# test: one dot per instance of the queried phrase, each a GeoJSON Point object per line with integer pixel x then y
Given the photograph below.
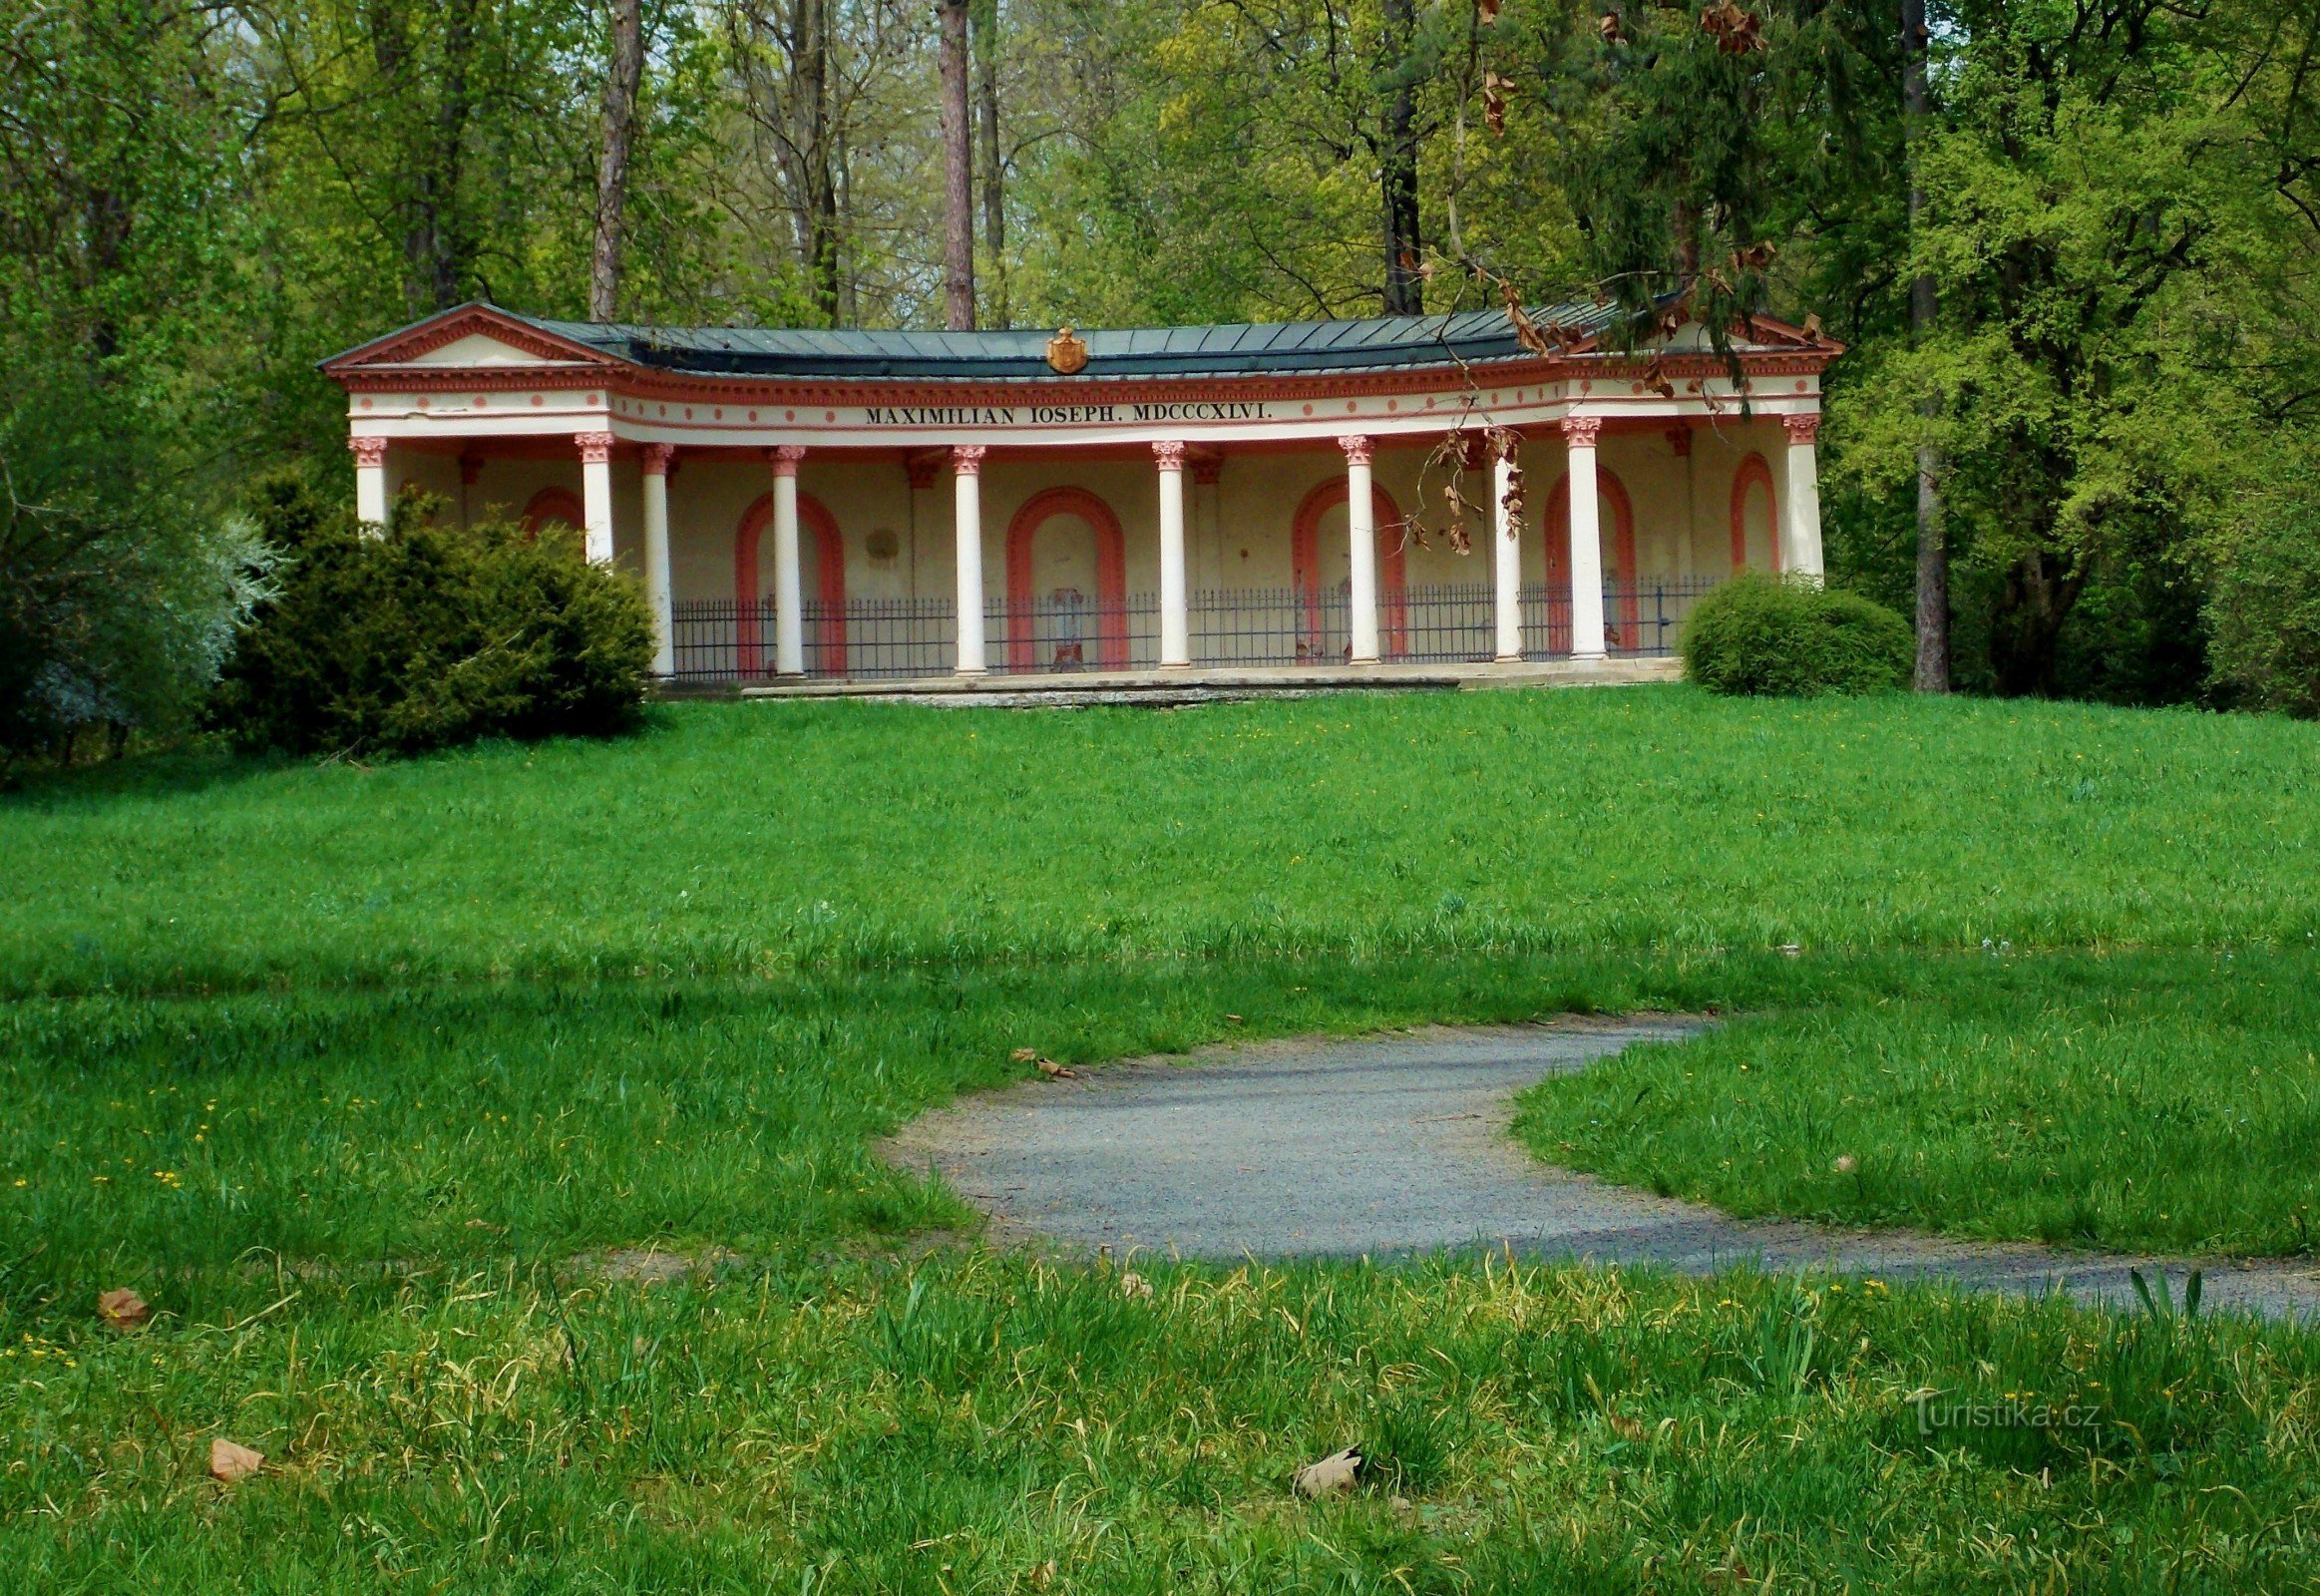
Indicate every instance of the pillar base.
{"type": "Point", "coordinates": [1593, 659]}
{"type": "Point", "coordinates": [1175, 665]}
{"type": "Point", "coordinates": [1363, 660]}
{"type": "Point", "coordinates": [1507, 659]}
{"type": "Point", "coordinates": [978, 670]}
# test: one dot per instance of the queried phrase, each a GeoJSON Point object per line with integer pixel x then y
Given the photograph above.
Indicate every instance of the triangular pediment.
{"type": "Point", "coordinates": [467, 337]}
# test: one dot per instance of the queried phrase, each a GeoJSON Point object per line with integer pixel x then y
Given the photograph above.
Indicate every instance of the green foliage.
{"type": "Point", "coordinates": [115, 615]}
{"type": "Point", "coordinates": [1757, 634]}
{"type": "Point", "coordinates": [422, 637]}
{"type": "Point", "coordinates": [2266, 613]}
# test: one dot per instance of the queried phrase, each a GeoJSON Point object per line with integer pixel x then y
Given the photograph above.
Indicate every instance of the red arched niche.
{"type": "Point", "coordinates": [1752, 473]}
{"type": "Point", "coordinates": [1393, 580]}
{"type": "Point", "coordinates": [815, 520]}
{"type": "Point", "coordinates": [1111, 575]}
{"type": "Point", "coordinates": [1627, 631]}
{"type": "Point", "coordinates": [552, 505]}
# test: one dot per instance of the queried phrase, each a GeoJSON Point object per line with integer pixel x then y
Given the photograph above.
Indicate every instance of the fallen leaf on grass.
{"type": "Point", "coordinates": [1055, 1071]}
{"type": "Point", "coordinates": [1330, 1476]}
{"type": "Point", "coordinates": [1136, 1286]}
{"type": "Point", "coordinates": [124, 1309]}
{"type": "Point", "coordinates": [1024, 1055]}
{"type": "Point", "coordinates": [1624, 1427]}
{"type": "Point", "coordinates": [229, 1462]}
{"type": "Point", "coordinates": [1232, 1019]}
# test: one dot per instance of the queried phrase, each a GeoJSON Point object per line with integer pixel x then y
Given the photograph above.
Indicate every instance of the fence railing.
{"type": "Point", "coordinates": [1424, 623]}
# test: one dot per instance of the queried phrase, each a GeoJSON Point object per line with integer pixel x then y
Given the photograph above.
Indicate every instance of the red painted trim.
{"type": "Point", "coordinates": [555, 504]}
{"type": "Point", "coordinates": [1749, 473]}
{"type": "Point", "coordinates": [1623, 557]}
{"type": "Point", "coordinates": [829, 554]}
{"type": "Point", "coordinates": [454, 324]}
{"type": "Point", "coordinates": [1111, 572]}
{"type": "Point", "coordinates": [1393, 574]}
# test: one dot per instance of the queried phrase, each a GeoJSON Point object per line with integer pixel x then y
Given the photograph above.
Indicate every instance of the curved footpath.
{"type": "Point", "coordinates": [1398, 1144]}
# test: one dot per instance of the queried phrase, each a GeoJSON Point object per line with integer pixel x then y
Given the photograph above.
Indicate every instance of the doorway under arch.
{"type": "Point", "coordinates": [1626, 630]}
{"type": "Point", "coordinates": [1305, 561]}
{"type": "Point", "coordinates": [1753, 477]}
{"type": "Point", "coordinates": [826, 654]}
{"type": "Point", "coordinates": [550, 505]}
{"type": "Point", "coordinates": [1111, 578]}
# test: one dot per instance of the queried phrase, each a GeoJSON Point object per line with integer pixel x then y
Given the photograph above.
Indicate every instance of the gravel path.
{"type": "Point", "coordinates": [1397, 1144]}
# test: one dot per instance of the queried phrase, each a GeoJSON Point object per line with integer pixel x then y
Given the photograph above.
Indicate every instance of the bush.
{"type": "Point", "coordinates": [428, 635]}
{"type": "Point", "coordinates": [2266, 617]}
{"type": "Point", "coordinates": [1759, 634]}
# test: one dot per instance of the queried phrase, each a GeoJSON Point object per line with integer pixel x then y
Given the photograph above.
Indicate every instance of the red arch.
{"type": "Point", "coordinates": [829, 554]}
{"type": "Point", "coordinates": [1751, 472]}
{"type": "Point", "coordinates": [555, 504]}
{"type": "Point", "coordinates": [1111, 575]}
{"type": "Point", "coordinates": [1622, 558]}
{"type": "Point", "coordinates": [1393, 575]}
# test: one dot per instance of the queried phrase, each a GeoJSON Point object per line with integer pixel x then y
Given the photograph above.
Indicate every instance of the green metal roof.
{"type": "Point", "coordinates": [1375, 343]}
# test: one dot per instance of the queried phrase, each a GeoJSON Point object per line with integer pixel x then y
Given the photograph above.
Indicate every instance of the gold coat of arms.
{"type": "Point", "coordinates": [1066, 353]}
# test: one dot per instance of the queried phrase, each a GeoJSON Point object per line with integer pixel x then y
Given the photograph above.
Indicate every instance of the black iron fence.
{"type": "Point", "coordinates": [1427, 623]}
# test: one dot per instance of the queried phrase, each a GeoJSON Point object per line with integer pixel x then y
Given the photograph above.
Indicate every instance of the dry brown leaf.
{"type": "Point", "coordinates": [1624, 1427]}
{"type": "Point", "coordinates": [229, 1462]}
{"type": "Point", "coordinates": [1024, 1055]}
{"type": "Point", "coordinates": [122, 1309]}
{"type": "Point", "coordinates": [1055, 1071]}
{"type": "Point", "coordinates": [1330, 1476]}
{"type": "Point", "coordinates": [1608, 26]}
{"type": "Point", "coordinates": [1486, 10]}
{"type": "Point", "coordinates": [1136, 1286]}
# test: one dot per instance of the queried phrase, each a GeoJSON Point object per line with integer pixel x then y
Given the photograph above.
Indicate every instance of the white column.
{"type": "Point", "coordinates": [1506, 547]}
{"type": "Point", "coordinates": [1361, 549]}
{"type": "Point", "coordinates": [967, 481]}
{"type": "Point", "coordinates": [789, 614]}
{"type": "Point", "coordinates": [1175, 619]}
{"type": "Point", "coordinates": [596, 493]}
{"type": "Point", "coordinates": [657, 456]}
{"type": "Point", "coordinates": [370, 479]}
{"type": "Point", "coordinates": [1800, 505]}
{"type": "Point", "coordinates": [1586, 540]}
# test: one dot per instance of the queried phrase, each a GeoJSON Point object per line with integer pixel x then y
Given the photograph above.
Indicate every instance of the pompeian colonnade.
{"type": "Point", "coordinates": [1294, 543]}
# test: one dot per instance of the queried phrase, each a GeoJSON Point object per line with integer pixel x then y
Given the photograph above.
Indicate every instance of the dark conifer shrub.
{"type": "Point", "coordinates": [428, 635]}
{"type": "Point", "coordinates": [1760, 635]}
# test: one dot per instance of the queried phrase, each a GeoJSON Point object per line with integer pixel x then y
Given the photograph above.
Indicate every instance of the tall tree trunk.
{"type": "Point", "coordinates": [957, 174]}
{"type": "Point", "coordinates": [624, 75]}
{"type": "Point", "coordinates": [1397, 170]}
{"type": "Point", "coordinates": [994, 213]}
{"type": "Point", "coordinates": [810, 134]}
{"type": "Point", "coordinates": [842, 196]}
{"type": "Point", "coordinates": [1932, 534]}
{"type": "Point", "coordinates": [436, 252]}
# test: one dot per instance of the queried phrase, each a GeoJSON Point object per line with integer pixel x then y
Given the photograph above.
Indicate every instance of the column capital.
{"type": "Point", "coordinates": [370, 453]}
{"type": "Point", "coordinates": [1580, 431]}
{"type": "Point", "coordinates": [658, 457]}
{"type": "Point", "coordinates": [595, 447]}
{"type": "Point", "coordinates": [1169, 454]}
{"type": "Point", "coordinates": [1357, 446]}
{"type": "Point", "coordinates": [1208, 470]}
{"type": "Point", "coordinates": [785, 458]}
{"type": "Point", "coordinates": [1680, 440]}
{"type": "Point", "coordinates": [966, 458]}
{"type": "Point", "coordinates": [1802, 429]}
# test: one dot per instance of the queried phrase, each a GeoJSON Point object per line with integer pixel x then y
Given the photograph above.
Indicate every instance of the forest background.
{"type": "Point", "coordinates": [2071, 246]}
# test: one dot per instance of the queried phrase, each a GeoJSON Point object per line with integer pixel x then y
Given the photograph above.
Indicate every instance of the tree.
{"type": "Point", "coordinates": [623, 73]}
{"type": "Point", "coordinates": [958, 172]}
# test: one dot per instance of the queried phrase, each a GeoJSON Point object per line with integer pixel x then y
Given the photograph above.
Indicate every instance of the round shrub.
{"type": "Point", "coordinates": [1759, 634]}
{"type": "Point", "coordinates": [420, 635]}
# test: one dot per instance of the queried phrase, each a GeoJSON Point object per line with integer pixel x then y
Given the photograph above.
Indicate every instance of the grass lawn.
{"type": "Point", "coordinates": [371, 1080]}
